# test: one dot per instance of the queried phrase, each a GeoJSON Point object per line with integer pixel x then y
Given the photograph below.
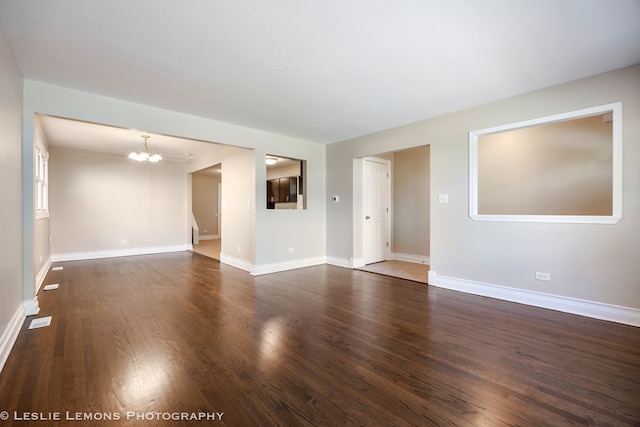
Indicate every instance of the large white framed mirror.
{"type": "Point", "coordinates": [563, 168]}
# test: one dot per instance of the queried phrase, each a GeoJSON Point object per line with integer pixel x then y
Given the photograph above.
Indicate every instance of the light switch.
{"type": "Point", "coordinates": [443, 198]}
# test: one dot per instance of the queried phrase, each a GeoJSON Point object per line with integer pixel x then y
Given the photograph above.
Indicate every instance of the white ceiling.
{"type": "Point", "coordinates": [319, 70]}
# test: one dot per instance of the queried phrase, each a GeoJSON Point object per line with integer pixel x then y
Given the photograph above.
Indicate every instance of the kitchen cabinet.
{"type": "Point", "coordinates": [282, 190]}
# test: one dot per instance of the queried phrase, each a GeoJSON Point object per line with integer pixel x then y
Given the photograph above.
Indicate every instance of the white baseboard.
{"type": "Point", "coordinates": [357, 263]}
{"type": "Point", "coordinates": [596, 310]}
{"type": "Point", "coordinates": [31, 307]}
{"type": "Point", "coordinates": [209, 237]}
{"type": "Point", "coordinates": [76, 256]}
{"type": "Point", "coordinates": [287, 265]}
{"type": "Point", "coordinates": [339, 262]}
{"type": "Point", "coordinates": [417, 259]}
{"type": "Point", "coordinates": [10, 335]}
{"type": "Point", "coordinates": [42, 274]}
{"type": "Point", "coordinates": [236, 262]}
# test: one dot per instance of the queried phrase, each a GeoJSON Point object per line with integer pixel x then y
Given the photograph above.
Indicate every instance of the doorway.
{"type": "Point", "coordinates": [408, 235]}
{"type": "Point", "coordinates": [206, 208]}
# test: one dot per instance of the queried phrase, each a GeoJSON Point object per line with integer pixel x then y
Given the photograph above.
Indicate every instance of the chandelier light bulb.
{"type": "Point", "coordinates": [144, 155]}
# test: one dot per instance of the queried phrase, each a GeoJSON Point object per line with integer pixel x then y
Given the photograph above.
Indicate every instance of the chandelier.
{"type": "Point", "coordinates": [144, 155]}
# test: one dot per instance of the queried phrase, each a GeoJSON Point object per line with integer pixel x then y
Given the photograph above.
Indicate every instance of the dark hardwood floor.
{"type": "Point", "coordinates": [175, 335]}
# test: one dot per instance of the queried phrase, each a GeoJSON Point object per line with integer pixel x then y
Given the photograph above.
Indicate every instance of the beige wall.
{"type": "Point", "coordinates": [98, 200]}
{"type": "Point", "coordinates": [205, 202]}
{"type": "Point", "coordinates": [11, 277]}
{"type": "Point", "coordinates": [586, 261]}
{"type": "Point", "coordinates": [238, 205]}
{"type": "Point", "coordinates": [42, 248]}
{"type": "Point", "coordinates": [562, 168]}
{"type": "Point", "coordinates": [411, 202]}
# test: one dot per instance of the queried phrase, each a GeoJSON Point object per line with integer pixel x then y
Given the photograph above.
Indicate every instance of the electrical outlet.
{"type": "Point", "coordinates": [546, 277]}
{"type": "Point", "coordinates": [443, 198]}
{"type": "Point", "coordinates": [291, 250]}
{"type": "Point", "coordinates": [124, 241]}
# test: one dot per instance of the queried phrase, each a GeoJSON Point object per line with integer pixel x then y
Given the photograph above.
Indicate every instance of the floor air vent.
{"type": "Point", "coordinates": [40, 323]}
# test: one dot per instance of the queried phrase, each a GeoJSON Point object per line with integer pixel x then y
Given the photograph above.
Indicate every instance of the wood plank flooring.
{"type": "Point", "coordinates": [179, 333]}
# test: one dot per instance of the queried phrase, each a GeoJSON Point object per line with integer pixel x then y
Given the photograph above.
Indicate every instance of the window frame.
{"type": "Point", "coordinates": [41, 179]}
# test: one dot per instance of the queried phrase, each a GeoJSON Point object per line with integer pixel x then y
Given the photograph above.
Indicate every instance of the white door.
{"type": "Point", "coordinates": [376, 210]}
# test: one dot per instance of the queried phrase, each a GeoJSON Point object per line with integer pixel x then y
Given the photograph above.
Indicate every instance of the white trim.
{"type": "Point", "coordinates": [287, 265]}
{"type": "Point", "coordinates": [75, 256]}
{"type": "Point", "coordinates": [417, 259]}
{"type": "Point", "coordinates": [209, 236]}
{"type": "Point", "coordinates": [41, 176]}
{"type": "Point", "coordinates": [596, 310]}
{"type": "Point", "coordinates": [42, 274]}
{"type": "Point", "coordinates": [31, 306]}
{"type": "Point", "coordinates": [568, 219]}
{"type": "Point", "coordinates": [236, 262]}
{"type": "Point", "coordinates": [40, 214]}
{"type": "Point", "coordinates": [339, 262]}
{"type": "Point", "coordinates": [431, 277]}
{"type": "Point", "coordinates": [195, 231]}
{"type": "Point", "coordinates": [10, 335]}
{"type": "Point", "coordinates": [219, 207]}
{"type": "Point", "coordinates": [258, 270]}
{"type": "Point", "coordinates": [358, 263]}
{"type": "Point", "coordinates": [615, 108]}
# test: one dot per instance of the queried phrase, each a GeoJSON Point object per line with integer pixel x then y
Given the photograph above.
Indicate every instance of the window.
{"type": "Point", "coordinates": [41, 179]}
{"type": "Point", "coordinates": [561, 168]}
{"type": "Point", "coordinates": [286, 183]}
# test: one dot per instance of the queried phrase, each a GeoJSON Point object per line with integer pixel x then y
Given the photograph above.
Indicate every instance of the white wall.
{"type": "Point", "coordinates": [589, 262]}
{"type": "Point", "coordinates": [271, 233]}
{"type": "Point", "coordinates": [238, 203]}
{"type": "Point", "coordinates": [98, 200]}
{"type": "Point", "coordinates": [11, 294]}
{"type": "Point", "coordinates": [303, 230]}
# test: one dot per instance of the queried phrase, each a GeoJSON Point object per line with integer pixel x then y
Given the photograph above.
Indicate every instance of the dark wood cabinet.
{"type": "Point", "coordinates": [273, 192]}
{"type": "Point", "coordinates": [282, 190]}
